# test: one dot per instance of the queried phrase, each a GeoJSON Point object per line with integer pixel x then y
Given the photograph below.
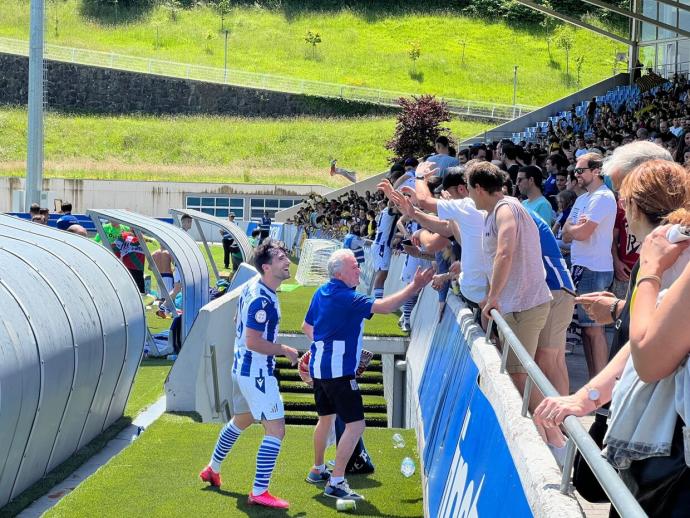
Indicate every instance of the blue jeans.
{"type": "Point", "coordinates": [588, 281]}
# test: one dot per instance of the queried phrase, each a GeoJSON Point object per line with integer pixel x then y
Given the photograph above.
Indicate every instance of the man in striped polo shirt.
{"type": "Point", "coordinates": [256, 396]}
{"type": "Point", "coordinates": [335, 325]}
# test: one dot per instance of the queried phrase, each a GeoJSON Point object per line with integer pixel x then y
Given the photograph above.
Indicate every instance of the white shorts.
{"type": "Point", "coordinates": [260, 396]}
{"type": "Point", "coordinates": [410, 268]}
{"type": "Point", "coordinates": [382, 257]}
{"type": "Point", "coordinates": [168, 280]}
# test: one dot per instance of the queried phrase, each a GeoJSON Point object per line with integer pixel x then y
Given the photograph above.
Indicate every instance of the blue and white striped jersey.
{"type": "Point", "coordinates": [385, 228]}
{"type": "Point", "coordinates": [356, 244]}
{"type": "Point", "coordinates": [257, 308]}
{"type": "Point", "coordinates": [337, 313]}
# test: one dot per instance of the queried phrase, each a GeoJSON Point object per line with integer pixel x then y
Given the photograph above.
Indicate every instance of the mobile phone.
{"type": "Point", "coordinates": [569, 291]}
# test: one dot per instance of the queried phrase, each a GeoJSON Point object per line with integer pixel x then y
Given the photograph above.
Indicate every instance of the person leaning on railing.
{"type": "Point", "coordinates": [651, 194]}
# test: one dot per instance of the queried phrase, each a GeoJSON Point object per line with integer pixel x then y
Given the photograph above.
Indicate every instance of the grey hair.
{"type": "Point", "coordinates": [335, 261]}
{"type": "Point", "coordinates": [626, 158]}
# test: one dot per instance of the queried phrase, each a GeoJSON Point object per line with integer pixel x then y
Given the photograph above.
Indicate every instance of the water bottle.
{"type": "Point", "coordinates": [398, 441]}
{"type": "Point", "coordinates": [407, 467]}
{"type": "Point", "coordinates": [345, 505]}
{"type": "Point", "coordinates": [171, 357]}
{"type": "Point", "coordinates": [678, 233]}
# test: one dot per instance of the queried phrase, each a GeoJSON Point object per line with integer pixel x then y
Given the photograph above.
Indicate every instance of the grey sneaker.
{"type": "Point", "coordinates": [342, 491]}
{"type": "Point", "coordinates": [318, 478]}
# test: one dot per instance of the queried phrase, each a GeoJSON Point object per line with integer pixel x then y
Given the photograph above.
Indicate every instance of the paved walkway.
{"type": "Point", "coordinates": [577, 369]}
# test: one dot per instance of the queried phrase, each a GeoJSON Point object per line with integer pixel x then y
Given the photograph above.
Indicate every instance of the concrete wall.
{"type": "Point", "coordinates": [81, 88]}
{"type": "Point", "coordinates": [550, 110]}
{"type": "Point", "coordinates": [147, 198]}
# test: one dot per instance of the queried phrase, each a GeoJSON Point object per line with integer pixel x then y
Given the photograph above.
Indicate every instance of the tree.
{"type": "Point", "coordinates": [463, 43]}
{"type": "Point", "coordinates": [565, 39]}
{"type": "Point", "coordinates": [579, 63]}
{"type": "Point", "coordinates": [173, 7]}
{"type": "Point", "coordinates": [313, 39]}
{"type": "Point", "coordinates": [223, 8]}
{"type": "Point", "coordinates": [413, 52]}
{"type": "Point", "coordinates": [418, 125]}
{"type": "Point", "coordinates": [210, 36]}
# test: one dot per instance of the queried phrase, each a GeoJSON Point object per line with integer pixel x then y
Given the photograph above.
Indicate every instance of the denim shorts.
{"type": "Point", "coordinates": [587, 281]}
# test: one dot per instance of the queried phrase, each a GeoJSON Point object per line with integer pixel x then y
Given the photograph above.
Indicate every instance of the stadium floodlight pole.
{"type": "Point", "coordinates": [34, 158]}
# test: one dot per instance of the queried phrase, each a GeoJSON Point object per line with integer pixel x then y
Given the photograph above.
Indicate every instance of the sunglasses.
{"type": "Point", "coordinates": [579, 170]}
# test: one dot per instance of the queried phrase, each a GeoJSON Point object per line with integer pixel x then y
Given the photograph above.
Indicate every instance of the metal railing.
{"type": "Point", "coordinates": [254, 80]}
{"type": "Point", "coordinates": [579, 438]}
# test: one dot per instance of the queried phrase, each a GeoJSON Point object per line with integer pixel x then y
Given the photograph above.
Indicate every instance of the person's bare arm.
{"type": "Point", "coordinates": [308, 331]}
{"type": "Point", "coordinates": [553, 410]}
{"type": "Point", "coordinates": [256, 342]}
{"type": "Point", "coordinates": [392, 302]}
{"type": "Point", "coordinates": [659, 339]}
{"type": "Point", "coordinates": [579, 231]}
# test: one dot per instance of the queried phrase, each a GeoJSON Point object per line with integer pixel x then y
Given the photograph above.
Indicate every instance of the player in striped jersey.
{"type": "Point", "coordinates": [255, 389]}
{"type": "Point", "coordinates": [382, 249]}
{"type": "Point", "coordinates": [413, 260]}
{"type": "Point", "coordinates": [335, 324]}
{"type": "Point", "coordinates": [354, 242]}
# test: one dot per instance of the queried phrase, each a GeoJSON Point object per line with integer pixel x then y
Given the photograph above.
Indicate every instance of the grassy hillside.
{"type": "Point", "coordinates": [204, 149]}
{"type": "Point", "coordinates": [365, 49]}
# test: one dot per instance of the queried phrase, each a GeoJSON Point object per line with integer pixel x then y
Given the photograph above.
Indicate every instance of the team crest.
{"type": "Point", "coordinates": [260, 316]}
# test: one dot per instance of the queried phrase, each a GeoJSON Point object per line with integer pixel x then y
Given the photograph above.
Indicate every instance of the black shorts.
{"type": "Point", "coordinates": [339, 396]}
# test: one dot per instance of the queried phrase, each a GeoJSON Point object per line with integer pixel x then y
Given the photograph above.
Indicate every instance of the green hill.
{"type": "Point", "coordinates": [367, 48]}
{"type": "Point", "coordinates": [204, 149]}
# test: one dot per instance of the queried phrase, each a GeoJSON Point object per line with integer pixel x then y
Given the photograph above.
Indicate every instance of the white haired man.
{"type": "Point", "coordinates": [335, 325]}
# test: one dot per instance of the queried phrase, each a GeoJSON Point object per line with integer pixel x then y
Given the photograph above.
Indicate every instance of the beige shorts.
{"type": "Point", "coordinates": [526, 325]}
{"type": "Point", "coordinates": [556, 326]}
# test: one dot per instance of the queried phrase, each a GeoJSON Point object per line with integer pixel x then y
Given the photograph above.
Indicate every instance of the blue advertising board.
{"type": "Point", "coordinates": [469, 469]}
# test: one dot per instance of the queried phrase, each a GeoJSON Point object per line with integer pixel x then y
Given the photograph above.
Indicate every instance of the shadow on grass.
{"type": "Point", "coordinates": [191, 415]}
{"type": "Point", "coordinates": [245, 507]}
{"type": "Point", "coordinates": [64, 470]}
{"type": "Point", "coordinates": [417, 76]}
{"type": "Point", "coordinates": [363, 507]}
{"type": "Point", "coordinates": [115, 13]}
{"type": "Point", "coordinates": [554, 64]}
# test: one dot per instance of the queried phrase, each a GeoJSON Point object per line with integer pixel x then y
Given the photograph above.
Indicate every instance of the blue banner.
{"type": "Point", "coordinates": [469, 469]}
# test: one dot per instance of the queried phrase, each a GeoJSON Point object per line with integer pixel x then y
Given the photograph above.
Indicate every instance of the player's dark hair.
{"type": "Point", "coordinates": [265, 252]}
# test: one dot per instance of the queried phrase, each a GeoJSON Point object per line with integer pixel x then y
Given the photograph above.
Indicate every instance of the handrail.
{"type": "Point", "coordinates": [611, 483]}
{"type": "Point", "coordinates": [270, 82]}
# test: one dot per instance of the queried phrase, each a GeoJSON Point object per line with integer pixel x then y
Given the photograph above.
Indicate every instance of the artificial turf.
{"type": "Point", "coordinates": [158, 476]}
{"type": "Point", "coordinates": [148, 385]}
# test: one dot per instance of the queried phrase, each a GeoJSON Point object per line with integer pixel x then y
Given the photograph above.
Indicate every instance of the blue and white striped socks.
{"type": "Point", "coordinates": [408, 307]}
{"type": "Point", "coordinates": [226, 440]}
{"type": "Point", "coordinates": [378, 293]}
{"type": "Point", "coordinates": [265, 462]}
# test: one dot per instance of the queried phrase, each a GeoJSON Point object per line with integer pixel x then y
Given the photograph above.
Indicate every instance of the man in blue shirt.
{"type": "Point", "coordinates": [335, 324]}
{"type": "Point", "coordinates": [442, 157]}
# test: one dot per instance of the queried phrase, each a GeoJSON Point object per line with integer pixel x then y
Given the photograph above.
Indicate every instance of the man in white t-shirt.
{"type": "Point", "coordinates": [457, 218]}
{"type": "Point", "coordinates": [590, 230]}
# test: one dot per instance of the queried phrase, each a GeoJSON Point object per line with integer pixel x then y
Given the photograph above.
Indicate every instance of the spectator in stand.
{"type": "Point", "coordinates": [231, 250]}
{"type": "Point", "coordinates": [186, 222]}
{"type": "Point", "coordinates": [565, 200]}
{"type": "Point", "coordinates": [509, 158]}
{"type": "Point", "coordinates": [529, 183]}
{"type": "Point", "coordinates": [554, 164]}
{"type": "Point", "coordinates": [590, 232]}
{"type": "Point", "coordinates": [517, 287]}
{"type": "Point", "coordinates": [442, 158]}
{"type": "Point", "coordinates": [561, 181]}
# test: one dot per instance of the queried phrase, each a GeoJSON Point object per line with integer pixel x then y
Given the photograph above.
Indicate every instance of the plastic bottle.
{"type": "Point", "coordinates": [171, 357]}
{"type": "Point", "coordinates": [345, 505]}
{"type": "Point", "coordinates": [398, 441]}
{"type": "Point", "coordinates": [678, 233]}
{"type": "Point", "coordinates": [407, 467]}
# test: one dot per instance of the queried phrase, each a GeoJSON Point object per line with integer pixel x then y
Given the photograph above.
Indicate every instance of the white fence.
{"type": "Point", "coordinates": [259, 81]}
